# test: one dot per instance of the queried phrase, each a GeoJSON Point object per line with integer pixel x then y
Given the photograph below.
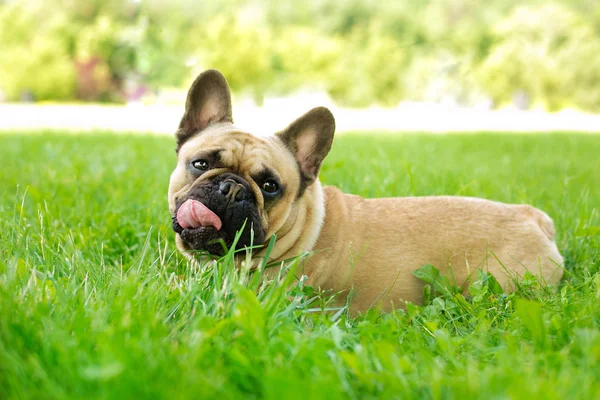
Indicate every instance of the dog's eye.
{"type": "Point", "coordinates": [201, 165]}
{"type": "Point", "coordinates": [270, 186]}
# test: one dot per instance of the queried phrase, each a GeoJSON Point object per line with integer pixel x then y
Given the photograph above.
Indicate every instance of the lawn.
{"type": "Point", "coordinates": [95, 302]}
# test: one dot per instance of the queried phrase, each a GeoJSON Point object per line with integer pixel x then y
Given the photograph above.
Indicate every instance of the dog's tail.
{"type": "Point", "coordinates": [544, 221]}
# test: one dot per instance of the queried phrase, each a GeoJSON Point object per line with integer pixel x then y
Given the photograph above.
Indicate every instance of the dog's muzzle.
{"type": "Point", "coordinates": [230, 197]}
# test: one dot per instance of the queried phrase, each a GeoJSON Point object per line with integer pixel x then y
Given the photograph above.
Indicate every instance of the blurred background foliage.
{"type": "Point", "coordinates": [542, 53]}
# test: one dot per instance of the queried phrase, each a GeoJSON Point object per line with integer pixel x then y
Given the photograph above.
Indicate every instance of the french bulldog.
{"type": "Point", "coordinates": [228, 180]}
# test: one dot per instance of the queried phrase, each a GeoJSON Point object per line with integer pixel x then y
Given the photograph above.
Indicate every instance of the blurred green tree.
{"type": "Point", "coordinates": [361, 52]}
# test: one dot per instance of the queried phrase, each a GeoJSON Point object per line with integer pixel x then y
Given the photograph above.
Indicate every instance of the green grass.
{"type": "Point", "coordinates": [96, 303]}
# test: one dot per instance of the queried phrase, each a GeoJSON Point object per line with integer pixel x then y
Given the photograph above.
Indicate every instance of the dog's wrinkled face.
{"type": "Point", "coordinates": [240, 178]}
{"type": "Point", "coordinates": [227, 179]}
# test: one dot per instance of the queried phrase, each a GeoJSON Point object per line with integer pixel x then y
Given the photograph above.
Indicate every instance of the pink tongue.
{"type": "Point", "coordinates": [193, 214]}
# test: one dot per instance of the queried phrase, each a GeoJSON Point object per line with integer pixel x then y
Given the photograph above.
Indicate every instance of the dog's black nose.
{"type": "Point", "coordinates": [233, 190]}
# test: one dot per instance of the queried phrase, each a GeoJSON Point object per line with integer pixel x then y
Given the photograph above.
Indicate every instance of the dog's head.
{"type": "Point", "coordinates": [227, 179]}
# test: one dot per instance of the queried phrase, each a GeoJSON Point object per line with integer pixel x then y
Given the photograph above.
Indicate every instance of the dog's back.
{"type": "Point", "coordinates": [381, 242]}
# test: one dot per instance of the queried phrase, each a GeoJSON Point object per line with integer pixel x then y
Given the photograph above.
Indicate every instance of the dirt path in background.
{"type": "Point", "coordinates": [276, 115]}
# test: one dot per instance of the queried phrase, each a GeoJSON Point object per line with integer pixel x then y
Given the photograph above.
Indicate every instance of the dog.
{"type": "Point", "coordinates": [228, 181]}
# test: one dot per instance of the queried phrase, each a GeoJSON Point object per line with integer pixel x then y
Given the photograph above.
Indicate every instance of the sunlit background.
{"type": "Point", "coordinates": [383, 54]}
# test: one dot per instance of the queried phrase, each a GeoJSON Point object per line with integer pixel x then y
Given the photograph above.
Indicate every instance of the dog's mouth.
{"type": "Point", "coordinates": [200, 227]}
{"type": "Point", "coordinates": [193, 214]}
{"type": "Point", "coordinates": [207, 231]}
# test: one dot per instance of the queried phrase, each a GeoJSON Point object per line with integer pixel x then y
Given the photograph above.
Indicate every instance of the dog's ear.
{"type": "Point", "coordinates": [309, 138]}
{"type": "Point", "coordinates": [208, 101]}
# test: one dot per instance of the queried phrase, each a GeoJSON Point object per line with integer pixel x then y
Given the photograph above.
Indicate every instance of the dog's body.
{"type": "Point", "coordinates": [226, 177]}
{"type": "Point", "coordinates": [375, 245]}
